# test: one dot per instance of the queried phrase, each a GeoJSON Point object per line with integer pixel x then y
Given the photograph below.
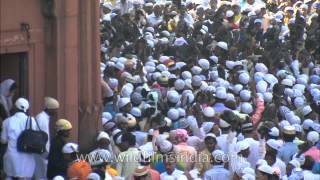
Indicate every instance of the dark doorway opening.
{"type": "Point", "coordinates": [15, 66]}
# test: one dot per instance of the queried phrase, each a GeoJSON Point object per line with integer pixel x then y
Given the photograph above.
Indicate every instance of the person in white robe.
{"type": "Point", "coordinates": [43, 119]}
{"type": "Point", "coordinates": [17, 164]}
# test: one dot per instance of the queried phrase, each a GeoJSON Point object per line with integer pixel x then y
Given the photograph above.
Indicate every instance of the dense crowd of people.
{"type": "Point", "coordinates": [191, 90]}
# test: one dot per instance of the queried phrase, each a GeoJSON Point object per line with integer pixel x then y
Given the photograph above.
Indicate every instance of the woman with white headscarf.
{"type": "Point", "coordinates": [7, 90]}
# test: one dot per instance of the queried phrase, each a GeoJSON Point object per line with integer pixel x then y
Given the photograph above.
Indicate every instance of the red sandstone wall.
{"type": "Point", "coordinates": [63, 58]}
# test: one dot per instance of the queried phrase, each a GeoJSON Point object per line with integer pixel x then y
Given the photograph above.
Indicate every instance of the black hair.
{"type": "Point", "coordinates": [210, 137]}
{"type": "Point", "coordinates": [308, 163]}
{"type": "Point", "coordinates": [288, 137]}
{"type": "Point", "coordinates": [272, 155]}
{"type": "Point", "coordinates": [129, 138]}
{"type": "Point", "coordinates": [13, 87]}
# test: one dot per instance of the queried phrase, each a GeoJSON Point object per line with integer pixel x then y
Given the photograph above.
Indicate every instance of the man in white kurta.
{"type": "Point", "coordinates": [17, 164]}
{"type": "Point", "coordinates": [43, 119]}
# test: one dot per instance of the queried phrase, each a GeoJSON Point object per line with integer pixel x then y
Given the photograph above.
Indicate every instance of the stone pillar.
{"type": "Point", "coordinates": [89, 73]}
{"type": "Point", "coordinates": [76, 30]}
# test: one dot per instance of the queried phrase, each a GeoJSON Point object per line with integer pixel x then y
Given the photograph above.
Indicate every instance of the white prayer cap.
{"type": "Point", "coordinates": [237, 88]}
{"type": "Point", "coordinates": [221, 94]}
{"type": "Point", "coordinates": [267, 97]}
{"type": "Point", "coordinates": [270, 78]}
{"type": "Point", "coordinates": [107, 116]}
{"type": "Point", "coordinates": [204, 64]}
{"type": "Point", "coordinates": [289, 8]}
{"type": "Point", "coordinates": [260, 67]}
{"type": "Point", "coordinates": [258, 76]}
{"type": "Point", "coordinates": [214, 59]}
{"type": "Point", "coordinates": [123, 102]}
{"type": "Point", "coordinates": [188, 83]}
{"type": "Point", "coordinates": [294, 120]}
{"type": "Point", "coordinates": [287, 82]}
{"type": "Point", "coordinates": [214, 75]}
{"type": "Point", "coordinates": [136, 98]}
{"type": "Point", "coordinates": [229, 13]}
{"type": "Point", "coordinates": [173, 96]}
{"type": "Point", "coordinates": [173, 114]}
{"type": "Point", "coordinates": [207, 126]}
{"type": "Point", "coordinates": [165, 146]}
{"type": "Point", "coordinates": [218, 155]}
{"type": "Point", "coordinates": [208, 112]}
{"type": "Point", "coordinates": [51, 103]}
{"type": "Point", "coordinates": [70, 148]}
{"type": "Point", "coordinates": [223, 45]}
{"type": "Point", "coordinates": [288, 92]}
{"type": "Point", "coordinates": [211, 88]}
{"type": "Point", "coordinates": [313, 137]}
{"type": "Point", "coordinates": [262, 86]}
{"type": "Point", "coordinates": [196, 70]}
{"type": "Point", "coordinates": [196, 81]}
{"type": "Point", "coordinates": [245, 95]}
{"type": "Point", "coordinates": [230, 97]}
{"type": "Point", "coordinates": [180, 42]}
{"type": "Point", "coordinates": [284, 123]}
{"type": "Point", "coordinates": [120, 66]}
{"type": "Point", "coordinates": [248, 177]}
{"type": "Point", "coordinates": [283, 110]}
{"type": "Point", "coordinates": [162, 67]}
{"type": "Point", "coordinates": [297, 127]}
{"type": "Point", "coordinates": [108, 5]}
{"type": "Point", "coordinates": [22, 104]}
{"type": "Point", "coordinates": [204, 85]}
{"type": "Point", "coordinates": [182, 112]}
{"type": "Point", "coordinates": [126, 91]}
{"type": "Point", "coordinates": [261, 162]}
{"type": "Point", "coordinates": [258, 21]}
{"type": "Point", "coordinates": [58, 178]}
{"type": "Point", "coordinates": [274, 144]}
{"type": "Point", "coordinates": [266, 169]}
{"type": "Point", "coordinates": [189, 97]}
{"type": "Point", "coordinates": [304, 6]}
{"type": "Point", "coordinates": [246, 108]}
{"type": "Point", "coordinates": [93, 176]}
{"type": "Point", "coordinates": [230, 64]}
{"type": "Point", "coordinates": [306, 110]}
{"type": "Point", "coordinates": [113, 83]}
{"type": "Point", "coordinates": [295, 163]}
{"type": "Point", "coordinates": [223, 123]}
{"type": "Point", "coordinates": [103, 135]}
{"type": "Point", "coordinates": [252, 13]}
{"type": "Point", "coordinates": [307, 123]}
{"type": "Point", "coordinates": [180, 64]}
{"type": "Point", "coordinates": [299, 87]}
{"type": "Point", "coordinates": [186, 75]}
{"type": "Point", "coordinates": [242, 145]}
{"type": "Point", "coordinates": [291, 77]}
{"type": "Point", "coordinates": [298, 102]}
{"type": "Point", "coordinates": [244, 78]}
{"type": "Point", "coordinates": [179, 84]}
{"type": "Point", "coordinates": [136, 112]}
{"type": "Point", "coordinates": [165, 74]}
{"type": "Point", "coordinates": [274, 132]}
{"type": "Point", "coordinates": [289, 130]}
{"type": "Point", "coordinates": [156, 75]}
{"type": "Point", "coordinates": [162, 59]}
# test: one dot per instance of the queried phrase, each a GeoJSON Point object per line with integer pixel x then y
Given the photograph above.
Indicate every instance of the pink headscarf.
{"type": "Point", "coordinates": [181, 135]}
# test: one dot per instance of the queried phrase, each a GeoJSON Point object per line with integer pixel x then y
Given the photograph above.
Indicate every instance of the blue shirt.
{"type": "Point", "coordinates": [218, 172]}
{"type": "Point", "coordinates": [109, 108]}
{"type": "Point", "coordinates": [287, 151]}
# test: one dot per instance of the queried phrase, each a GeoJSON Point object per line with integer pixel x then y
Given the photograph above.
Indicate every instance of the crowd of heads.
{"type": "Point", "coordinates": [196, 70]}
